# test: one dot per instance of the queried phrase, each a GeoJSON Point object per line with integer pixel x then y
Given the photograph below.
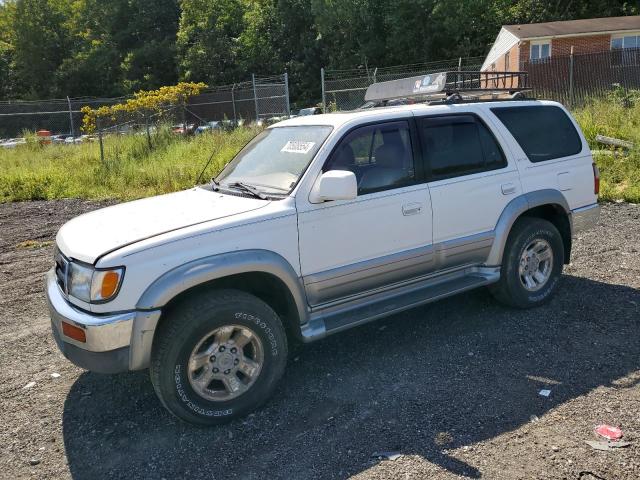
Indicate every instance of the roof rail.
{"type": "Point", "coordinates": [450, 87]}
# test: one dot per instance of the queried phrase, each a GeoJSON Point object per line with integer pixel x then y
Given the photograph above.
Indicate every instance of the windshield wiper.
{"type": "Point", "coordinates": [248, 188]}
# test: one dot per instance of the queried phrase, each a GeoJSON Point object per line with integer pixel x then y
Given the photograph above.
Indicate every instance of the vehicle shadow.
{"type": "Point", "coordinates": [435, 378]}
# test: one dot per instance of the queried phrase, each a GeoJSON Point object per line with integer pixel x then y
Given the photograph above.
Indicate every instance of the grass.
{"type": "Point", "coordinates": [619, 170]}
{"type": "Point", "coordinates": [132, 170]}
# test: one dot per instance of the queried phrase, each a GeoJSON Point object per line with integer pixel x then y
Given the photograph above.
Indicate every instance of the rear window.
{"type": "Point", "coordinates": [543, 132]}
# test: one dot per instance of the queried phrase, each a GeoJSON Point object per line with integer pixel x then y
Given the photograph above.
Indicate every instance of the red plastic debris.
{"type": "Point", "coordinates": [609, 432]}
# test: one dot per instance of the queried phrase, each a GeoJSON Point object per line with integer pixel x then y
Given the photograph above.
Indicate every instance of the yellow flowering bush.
{"type": "Point", "coordinates": [142, 103]}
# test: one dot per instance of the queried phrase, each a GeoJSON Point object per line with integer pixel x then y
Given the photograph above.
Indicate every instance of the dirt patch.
{"type": "Point", "coordinates": [452, 386]}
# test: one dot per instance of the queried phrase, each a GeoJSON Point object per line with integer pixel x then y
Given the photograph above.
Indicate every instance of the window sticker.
{"type": "Point", "coordinates": [298, 146]}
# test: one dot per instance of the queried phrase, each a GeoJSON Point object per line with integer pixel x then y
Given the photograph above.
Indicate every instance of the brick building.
{"type": "Point", "coordinates": [520, 46]}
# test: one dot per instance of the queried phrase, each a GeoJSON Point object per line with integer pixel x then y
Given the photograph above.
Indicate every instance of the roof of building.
{"type": "Point", "coordinates": [574, 27]}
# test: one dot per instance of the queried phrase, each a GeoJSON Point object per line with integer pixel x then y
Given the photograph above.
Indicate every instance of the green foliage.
{"type": "Point", "coordinates": [207, 39]}
{"type": "Point", "coordinates": [620, 170]}
{"type": "Point", "coordinates": [131, 170]}
{"type": "Point", "coordinates": [54, 48]}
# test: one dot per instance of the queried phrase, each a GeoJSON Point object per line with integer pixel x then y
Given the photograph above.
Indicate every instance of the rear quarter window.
{"type": "Point", "coordinates": [543, 132]}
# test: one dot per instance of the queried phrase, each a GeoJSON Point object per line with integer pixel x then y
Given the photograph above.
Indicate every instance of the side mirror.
{"type": "Point", "coordinates": [334, 185]}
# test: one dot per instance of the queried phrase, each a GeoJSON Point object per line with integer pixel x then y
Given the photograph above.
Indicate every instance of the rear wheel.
{"type": "Point", "coordinates": [532, 264]}
{"type": "Point", "coordinates": [218, 356]}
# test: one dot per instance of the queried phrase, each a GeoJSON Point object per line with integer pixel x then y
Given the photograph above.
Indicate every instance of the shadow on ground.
{"type": "Point", "coordinates": [465, 366]}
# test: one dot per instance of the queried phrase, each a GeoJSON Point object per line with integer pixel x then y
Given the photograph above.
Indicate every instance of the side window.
{"type": "Point", "coordinates": [458, 145]}
{"type": "Point", "coordinates": [380, 156]}
{"type": "Point", "coordinates": [544, 132]}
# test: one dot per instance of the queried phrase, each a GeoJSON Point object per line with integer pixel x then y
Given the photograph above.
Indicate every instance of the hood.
{"type": "Point", "coordinates": [94, 234]}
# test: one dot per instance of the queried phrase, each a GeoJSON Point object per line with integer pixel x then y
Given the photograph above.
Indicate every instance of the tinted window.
{"type": "Point", "coordinates": [543, 132]}
{"type": "Point", "coordinates": [458, 145]}
{"type": "Point", "coordinates": [380, 156]}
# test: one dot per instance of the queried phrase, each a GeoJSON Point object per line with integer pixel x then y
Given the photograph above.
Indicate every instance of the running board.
{"type": "Point", "coordinates": [332, 319]}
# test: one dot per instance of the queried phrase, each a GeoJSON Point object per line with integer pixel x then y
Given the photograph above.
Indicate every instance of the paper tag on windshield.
{"type": "Point", "coordinates": [297, 146]}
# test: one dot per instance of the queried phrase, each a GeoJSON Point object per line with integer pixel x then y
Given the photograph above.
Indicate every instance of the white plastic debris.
{"type": "Point", "coordinates": [387, 455]}
{"type": "Point", "coordinates": [55, 375]}
{"type": "Point", "coordinates": [29, 385]}
{"type": "Point", "coordinates": [544, 393]}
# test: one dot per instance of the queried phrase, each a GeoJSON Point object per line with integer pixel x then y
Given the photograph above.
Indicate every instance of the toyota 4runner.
{"type": "Point", "coordinates": [319, 224]}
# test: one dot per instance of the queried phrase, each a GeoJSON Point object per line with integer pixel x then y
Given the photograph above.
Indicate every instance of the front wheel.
{"type": "Point", "coordinates": [531, 265]}
{"type": "Point", "coordinates": [218, 356]}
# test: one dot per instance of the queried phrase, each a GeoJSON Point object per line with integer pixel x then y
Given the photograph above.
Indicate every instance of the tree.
{"type": "Point", "coordinates": [207, 40]}
{"type": "Point", "coordinates": [39, 46]}
{"type": "Point", "coordinates": [116, 47]}
{"type": "Point", "coordinates": [7, 80]}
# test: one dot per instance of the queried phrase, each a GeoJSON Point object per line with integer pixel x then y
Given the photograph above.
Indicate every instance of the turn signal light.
{"type": "Point", "coordinates": [74, 332]}
{"type": "Point", "coordinates": [110, 282]}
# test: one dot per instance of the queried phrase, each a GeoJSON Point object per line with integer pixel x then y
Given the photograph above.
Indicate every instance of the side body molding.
{"type": "Point", "coordinates": [194, 273]}
{"type": "Point", "coordinates": [514, 209]}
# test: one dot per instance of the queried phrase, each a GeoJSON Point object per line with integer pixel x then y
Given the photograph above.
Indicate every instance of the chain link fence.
{"type": "Point", "coordinates": [263, 99]}
{"type": "Point", "coordinates": [575, 79]}
{"type": "Point", "coordinates": [62, 117]}
{"type": "Point", "coordinates": [345, 89]}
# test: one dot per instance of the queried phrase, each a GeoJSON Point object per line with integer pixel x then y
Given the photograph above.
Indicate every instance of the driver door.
{"type": "Point", "coordinates": [384, 235]}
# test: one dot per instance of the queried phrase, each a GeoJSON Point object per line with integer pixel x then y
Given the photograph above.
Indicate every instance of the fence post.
{"type": "Point", "coordinates": [286, 93]}
{"type": "Point", "coordinates": [233, 103]}
{"type": "Point", "coordinates": [571, 78]}
{"type": "Point", "coordinates": [146, 124]}
{"type": "Point", "coordinates": [375, 73]}
{"type": "Point", "coordinates": [184, 118]}
{"type": "Point", "coordinates": [324, 100]}
{"type": "Point", "coordinates": [73, 133]}
{"type": "Point", "coordinates": [255, 96]}
{"type": "Point", "coordinates": [100, 140]}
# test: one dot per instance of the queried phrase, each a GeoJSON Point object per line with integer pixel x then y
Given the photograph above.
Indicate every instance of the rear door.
{"type": "Point", "coordinates": [550, 151]}
{"type": "Point", "coordinates": [471, 181]}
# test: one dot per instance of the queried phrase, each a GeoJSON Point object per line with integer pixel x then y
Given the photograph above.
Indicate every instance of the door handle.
{"type": "Point", "coordinates": [411, 209]}
{"type": "Point", "coordinates": [508, 188]}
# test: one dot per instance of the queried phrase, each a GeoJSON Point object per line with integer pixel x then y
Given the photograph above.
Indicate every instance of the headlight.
{"type": "Point", "coordinates": [94, 286]}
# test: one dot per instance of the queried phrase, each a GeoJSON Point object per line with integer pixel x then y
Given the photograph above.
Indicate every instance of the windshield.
{"type": "Point", "coordinates": [275, 159]}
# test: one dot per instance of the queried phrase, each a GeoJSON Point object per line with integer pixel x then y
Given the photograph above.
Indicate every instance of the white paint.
{"type": "Point", "coordinates": [504, 42]}
{"type": "Point", "coordinates": [153, 236]}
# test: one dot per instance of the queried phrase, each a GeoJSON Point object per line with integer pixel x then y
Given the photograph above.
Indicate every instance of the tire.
{"type": "Point", "coordinates": [197, 330]}
{"type": "Point", "coordinates": [530, 234]}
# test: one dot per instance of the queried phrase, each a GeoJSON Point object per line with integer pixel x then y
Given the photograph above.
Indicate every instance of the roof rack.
{"type": "Point", "coordinates": [449, 87]}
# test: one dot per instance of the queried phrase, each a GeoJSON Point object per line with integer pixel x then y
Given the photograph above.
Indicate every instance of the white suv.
{"type": "Point", "coordinates": [319, 224]}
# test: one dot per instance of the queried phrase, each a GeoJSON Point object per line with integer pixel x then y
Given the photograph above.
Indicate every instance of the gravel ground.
{"type": "Point", "coordinates": [452, 386]}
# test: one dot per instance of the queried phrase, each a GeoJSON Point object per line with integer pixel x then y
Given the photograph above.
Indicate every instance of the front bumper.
{"type": "Point", "coordinates": [585, 218]}
{"type": "Point", "coordinates": [114, 343]}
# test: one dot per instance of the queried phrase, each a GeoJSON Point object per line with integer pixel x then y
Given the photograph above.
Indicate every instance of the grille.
{"type": "Point", "coordinates": [62, 270]}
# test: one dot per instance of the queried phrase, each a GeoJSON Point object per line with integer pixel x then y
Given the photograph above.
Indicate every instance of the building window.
{"type": "Point", "coordinates": [507, 66]}
{"type": "Point", "coordinates": [624, 49]}
{"type": "Point", "coordinates": [540, 52]}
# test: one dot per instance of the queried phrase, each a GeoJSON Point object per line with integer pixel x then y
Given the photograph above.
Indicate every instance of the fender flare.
{"type": "Point", "coordinates": [512, 212]}
{"type": "Point", "coordinates": [182, 278]}
{"type": "Point", "coordinates": [196, 272]}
